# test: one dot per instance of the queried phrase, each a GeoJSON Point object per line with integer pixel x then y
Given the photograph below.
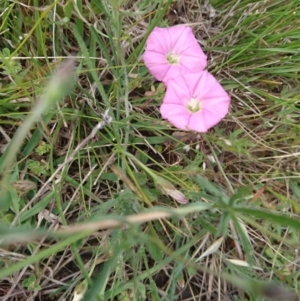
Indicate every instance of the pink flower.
{"type": "Point", "coordinates": [195, 101]}
{"type": "Point", "coordinates": [173, 51]}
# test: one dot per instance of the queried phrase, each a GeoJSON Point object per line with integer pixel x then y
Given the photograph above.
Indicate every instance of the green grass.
{"type": "Point", "coordinates": [83, 211]}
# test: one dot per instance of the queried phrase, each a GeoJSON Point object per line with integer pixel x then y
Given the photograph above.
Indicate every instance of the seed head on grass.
{"type": "Point", "coordinates": [58, 85]}
{"type": "Point", "coordinates": [54, 92]}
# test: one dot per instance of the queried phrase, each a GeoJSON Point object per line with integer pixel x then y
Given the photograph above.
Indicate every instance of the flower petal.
{"type": "Point", "coordinates": [177, 115]}
{"type": "Point", "coordinates": [157, 64]}
{"type": "Point", "coordinates": [203, 122]}
{"type": "Point", "coordinates": [159, 41]}
{"type": "Point", "coordinates": [177, 92]}
{"type": "Point", "coordinates": [218, 106]}
{"type": "Point", "coordinates": [197, 123]}
{"type": "Point", "coordinates": [183, 38]}
{"type": "Point", "coordinates": [194, 58]}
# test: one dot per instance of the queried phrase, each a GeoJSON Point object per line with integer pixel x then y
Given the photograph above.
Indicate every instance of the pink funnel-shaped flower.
{"type": "Point", "coordinates": [173, 51]}
{"type": "Point", "coordinates": [195, 102]}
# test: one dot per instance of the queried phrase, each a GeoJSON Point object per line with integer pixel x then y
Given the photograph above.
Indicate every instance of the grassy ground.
{"type": "Point", "coordinates": [83, 214]}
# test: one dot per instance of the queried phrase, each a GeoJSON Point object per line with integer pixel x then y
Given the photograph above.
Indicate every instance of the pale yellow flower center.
{"type": "Point", "coordinates": [173, 58]}
{"type": "Point", "coordinates": [194, 105]}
